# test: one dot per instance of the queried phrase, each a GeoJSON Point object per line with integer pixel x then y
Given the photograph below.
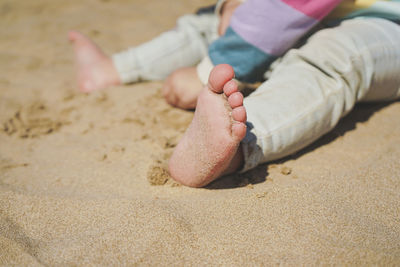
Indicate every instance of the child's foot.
{"type": "Point", "coordinates": [95, 69]}
{"type": "Point", "coordinates": [182, 88]}
{"type": "Point", "coordinates": [210, 146]}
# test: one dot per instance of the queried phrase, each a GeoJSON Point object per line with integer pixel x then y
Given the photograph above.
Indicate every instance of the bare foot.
{"type": "Point", "coordinates": [182, 88]}
{"type": "Point", "coordinates": [95, 69]}
{"type": "Point", "coordinates": [210, 146]}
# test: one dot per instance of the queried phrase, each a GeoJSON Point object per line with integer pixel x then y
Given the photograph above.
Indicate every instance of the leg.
{"type": "Point", "coordinates": [183, 86]}
{"type": "Point", "coordinates": [210, 146]}
{"type": "Point", "coordinates": [182, 47]}
{"type": "Point", "coordinates": [313, 87]}
{"type": "Point", "coordinates": [155, 60]}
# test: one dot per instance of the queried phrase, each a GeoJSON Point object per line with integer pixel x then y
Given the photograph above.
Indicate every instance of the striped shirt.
{"type": "Point", "coordinates": [262, 30]}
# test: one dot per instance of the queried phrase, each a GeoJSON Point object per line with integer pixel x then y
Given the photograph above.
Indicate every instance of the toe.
{"type": "Point", "coordinates": [230, 88]}
{"type": "Point", "coordinates": [239, 130]}
{"type": "Point", "coordinates": [235, 100]}
{"type": "Point", "coordinates": [72, 35]}
{"type": "Point", "coordinates": [75, 36]}
{"type": "Point", "coordinates": [219, 76]}
{"type": "Point", "coordinates": [239, 114]}
{"type": "Point", "coordinates": [167, 93]}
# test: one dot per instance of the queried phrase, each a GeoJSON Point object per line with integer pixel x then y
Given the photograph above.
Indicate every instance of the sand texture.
{"type": "Point", "coordinates": [82, 179]}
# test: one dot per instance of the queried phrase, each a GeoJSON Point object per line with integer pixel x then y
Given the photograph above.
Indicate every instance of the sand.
{"type": "Point", "coordinates": [82, 180]}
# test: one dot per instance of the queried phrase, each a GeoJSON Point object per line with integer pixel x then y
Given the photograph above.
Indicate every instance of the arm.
{"type": "Point", "coordinates": [260, 31]}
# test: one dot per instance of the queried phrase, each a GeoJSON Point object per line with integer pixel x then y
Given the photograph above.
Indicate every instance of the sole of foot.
{"type": "Point", "coordinates": [210, 146]}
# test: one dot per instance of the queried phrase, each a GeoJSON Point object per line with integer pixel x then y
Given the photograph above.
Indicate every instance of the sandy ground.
{"type": "Point", "coordinates": [79, 173]}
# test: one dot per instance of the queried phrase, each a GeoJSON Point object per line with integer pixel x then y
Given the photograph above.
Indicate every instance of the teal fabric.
{"type": "Point", "coordinates": [249, 62]}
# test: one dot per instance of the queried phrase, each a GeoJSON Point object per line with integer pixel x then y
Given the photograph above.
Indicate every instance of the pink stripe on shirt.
{"type": "Point", "coordinates": [315, 9]}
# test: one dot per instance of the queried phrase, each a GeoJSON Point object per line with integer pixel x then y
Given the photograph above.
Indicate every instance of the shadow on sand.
{"type": "Point", "coordinates": [361, 113]}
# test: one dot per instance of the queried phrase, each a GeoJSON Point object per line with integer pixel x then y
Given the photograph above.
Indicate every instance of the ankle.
{"type": "Point", "coordinates": [111, 71]}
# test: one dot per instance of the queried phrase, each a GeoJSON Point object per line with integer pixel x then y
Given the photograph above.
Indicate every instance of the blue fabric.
{"type": "Point", "coordinates": [249, 62]}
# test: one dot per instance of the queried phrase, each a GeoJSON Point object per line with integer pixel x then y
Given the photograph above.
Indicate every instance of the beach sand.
{"type": "Point", "coordinates": [82, 179]}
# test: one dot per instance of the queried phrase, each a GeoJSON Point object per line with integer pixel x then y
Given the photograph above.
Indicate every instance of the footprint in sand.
{"type": "Point", "coordinates": [32, 121]}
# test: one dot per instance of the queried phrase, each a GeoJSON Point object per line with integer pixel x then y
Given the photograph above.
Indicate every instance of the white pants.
{"type": "Point", "coordinates": [309, 89]}
{"type": "Point", "coordinates": [316, 85]}
{"type": "Point", "coordinates": [184, 46]}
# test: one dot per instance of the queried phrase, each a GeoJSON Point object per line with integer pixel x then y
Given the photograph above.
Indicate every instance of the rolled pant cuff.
{"type": "Point", "coordinates": [127, 73]}
{"type": "Point", "coordinates": [203, 69]}
{"type": "Point", "coordinates": [252, 152]}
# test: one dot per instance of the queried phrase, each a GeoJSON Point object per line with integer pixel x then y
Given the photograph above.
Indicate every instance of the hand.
{"type": "Point", "coordinates": [226, 13]}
